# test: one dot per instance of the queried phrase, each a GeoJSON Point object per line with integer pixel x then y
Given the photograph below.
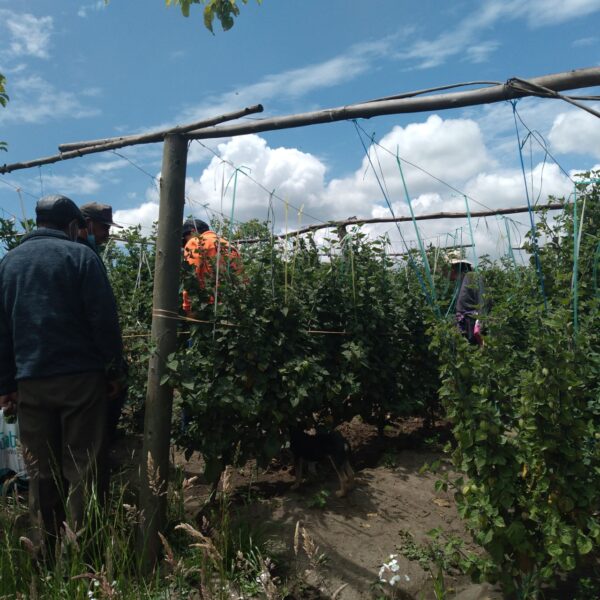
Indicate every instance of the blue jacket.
{"type": "Point", "coordinates": [58, 314]}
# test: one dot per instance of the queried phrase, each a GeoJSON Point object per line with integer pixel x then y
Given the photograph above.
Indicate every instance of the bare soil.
{"type": "Point", "coordinates": [393, 501]}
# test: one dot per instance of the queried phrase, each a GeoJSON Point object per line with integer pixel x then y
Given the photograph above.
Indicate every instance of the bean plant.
{"type": "Point", "coordinates": [525, 413]}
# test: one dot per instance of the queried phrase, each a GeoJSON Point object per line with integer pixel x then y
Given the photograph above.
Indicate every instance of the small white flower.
{"type": "Point", "coordinates": [394, 580]}
{"type": "Point", "coordinates": [392, 556]}
{"type": "Point", "coordinates": [90, 594]}
{"type": "Point", "coordinates": [382, 580]}
{"type": "Point", "coordinates": [96, 583]}
{"type": "Point", "coordinates": [394, 567]}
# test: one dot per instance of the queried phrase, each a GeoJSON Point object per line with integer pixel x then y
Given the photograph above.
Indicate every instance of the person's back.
{"type": "Point", "coordinates": [203, 248]}
{"type": "Point", "coordinates": [470, 294]}
{"type": "Point", "coordinates": [46, 298]}
{"type": "Point", "coordinates": [60, 361]}
{"type": "Point", "coordinates": [470, 298]}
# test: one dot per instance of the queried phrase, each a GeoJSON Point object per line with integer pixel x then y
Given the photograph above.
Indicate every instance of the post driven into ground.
{"type": "Point", "coordinates": [154, 465]}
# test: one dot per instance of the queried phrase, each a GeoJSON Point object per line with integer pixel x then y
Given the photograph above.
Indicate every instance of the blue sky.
{"type": "Point", "coordinates": [85, 70]}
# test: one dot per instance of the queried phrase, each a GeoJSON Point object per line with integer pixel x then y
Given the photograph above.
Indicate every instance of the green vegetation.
{"type": "Point", "coordinates": [526, 416]}
{"type": "Point", "coordinates": [320, 334]}
{"type": "Point", "coordinates": [305, 335]}
{"type": "Point", "coordinates": [225, 11]}
{"type": "Point", "coordinates": [318, 499]}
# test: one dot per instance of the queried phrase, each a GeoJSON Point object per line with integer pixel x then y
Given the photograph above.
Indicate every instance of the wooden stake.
{"type": "Point", "coordinates": [159, 398]}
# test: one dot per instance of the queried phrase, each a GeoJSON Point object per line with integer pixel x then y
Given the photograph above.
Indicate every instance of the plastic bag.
{"type": "Point", "coordinates": [12, 465]}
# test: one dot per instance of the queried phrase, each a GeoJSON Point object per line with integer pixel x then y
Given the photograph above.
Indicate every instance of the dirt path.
{"type": "Point", "coordinates": [392, 508]}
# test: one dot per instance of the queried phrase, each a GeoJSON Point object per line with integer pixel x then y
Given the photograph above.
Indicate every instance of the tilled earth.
{"type": "Point", "coordinates": [390, 511]}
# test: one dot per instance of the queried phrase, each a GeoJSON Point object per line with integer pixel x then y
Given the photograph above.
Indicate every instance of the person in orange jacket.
{"type": "Point", "coordinates": [201, 248]}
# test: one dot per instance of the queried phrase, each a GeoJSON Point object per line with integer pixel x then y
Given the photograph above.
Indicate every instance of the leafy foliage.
{"type": "Point", "coordinates": [130, 268]}
{"type": "Point", "coordinates": [526, 416]}
{"type": "Point", "coordinates": [318, 334]}
{"type": "Point", "coordinates": [10, 236]}
{"type": "Point", "coordinates": [223, 10]}
{"type": "Point", "coordinates": [304, 335]}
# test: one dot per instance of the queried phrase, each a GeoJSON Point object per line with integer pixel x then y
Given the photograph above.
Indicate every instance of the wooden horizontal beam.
{"type": "Point", "coordinates": [406, 103]}
{"type": "Point", "coordinates": [114, 143]}
{"type": "Point", "coordinates": [427, 217]}
{"type": "Point", "coordinates": [512, 89]}
{"type": "Point", "coordinates": [159, 136]}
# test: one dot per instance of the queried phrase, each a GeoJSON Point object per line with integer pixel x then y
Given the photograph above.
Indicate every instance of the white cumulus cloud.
{"type": "Point", "coordinates": [576, 131]}
{"type": "Point", "coordinates": [35, 100]}
{"type": "Point", "coordinates": [452, 151]}
{"type": "Point", "coordinates": [72, 186]}
{"type": "Point", "coordinates": [145, 215]}
{"type": "Point", "coordinates": [28, 35]}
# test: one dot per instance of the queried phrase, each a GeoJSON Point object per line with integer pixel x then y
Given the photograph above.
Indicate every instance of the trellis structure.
{"type": "Point", "coordinates": [159, 398]}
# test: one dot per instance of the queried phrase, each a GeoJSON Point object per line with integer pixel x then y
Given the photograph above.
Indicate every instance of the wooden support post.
{"type": "Point", "coordinates": [159, 398]}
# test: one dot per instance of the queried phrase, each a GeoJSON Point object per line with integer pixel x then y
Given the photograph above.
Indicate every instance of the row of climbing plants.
{"type": "Point", "coordinates": [316, 334]}
{"type": "Point", "coordinates": [525, 413]}
{"type": "Point", "coordinates": [304, 335]}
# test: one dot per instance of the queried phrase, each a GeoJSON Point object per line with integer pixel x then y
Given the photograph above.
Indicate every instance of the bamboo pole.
{"type": "Point", "coordinates": [157, 136]}
{"type": "Point", "coordinates": [427, 217]}
{"type": "Point", "coordinates": [113, 143]}
{"type": "Point", "coordinates": [159, 398]}
{"type": "Point", "coordinates": [336, 224]}
{"type": "Point", "coordinates": [579, 78]}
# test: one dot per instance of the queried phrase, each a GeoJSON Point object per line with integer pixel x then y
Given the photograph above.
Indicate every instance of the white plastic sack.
{"type": "Point", "coordinates": [11, 455]}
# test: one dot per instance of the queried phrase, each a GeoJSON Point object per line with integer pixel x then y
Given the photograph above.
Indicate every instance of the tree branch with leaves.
{"type": "Point", "coordinates": [223, 10]}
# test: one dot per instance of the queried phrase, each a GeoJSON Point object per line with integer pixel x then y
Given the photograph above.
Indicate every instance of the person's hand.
{"type": "Point", "coordinates": [115, 387]}
{"type": "Point", "coordinates": [8, 403]}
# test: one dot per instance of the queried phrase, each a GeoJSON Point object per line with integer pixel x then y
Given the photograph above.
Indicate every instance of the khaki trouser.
{"type": "Point", "coordinates": [62, 424]}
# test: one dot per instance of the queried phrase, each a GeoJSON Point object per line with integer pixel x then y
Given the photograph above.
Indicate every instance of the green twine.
{"type": "Point", "coordinates": [411, 261]}
{"type": "Point", "coordinates": [421, 247]}
{"type": "Point", "coordinates": [575, 264]}
{"type": "Point", "coordinates": [538, 264]}
{"type": "Point", "coordinates": [475, 263]}
{"type": "Point", "coordinates": [510, 250]}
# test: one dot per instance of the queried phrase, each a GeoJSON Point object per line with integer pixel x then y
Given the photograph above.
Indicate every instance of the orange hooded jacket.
{"type": "Point", "coordinates": [200, 252]}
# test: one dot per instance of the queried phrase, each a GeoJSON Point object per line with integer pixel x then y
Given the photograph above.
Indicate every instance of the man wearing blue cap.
{"type": "Point", "coordinates": [60, 359]}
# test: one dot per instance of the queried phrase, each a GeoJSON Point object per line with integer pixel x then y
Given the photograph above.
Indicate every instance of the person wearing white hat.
{"type": "Point", "coordinates": [470, 301]}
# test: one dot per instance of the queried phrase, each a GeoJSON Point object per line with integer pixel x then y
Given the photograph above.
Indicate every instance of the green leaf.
{"type": "Point", "coordinates": [584, 544]}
